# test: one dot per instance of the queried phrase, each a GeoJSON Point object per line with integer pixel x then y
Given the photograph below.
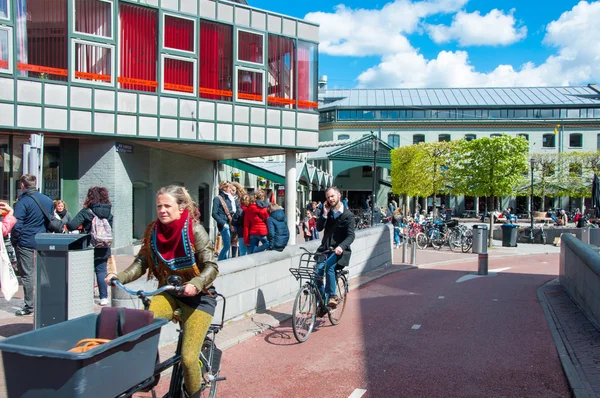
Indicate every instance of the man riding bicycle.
{"type": "Point", "coordinates": [338, 223]}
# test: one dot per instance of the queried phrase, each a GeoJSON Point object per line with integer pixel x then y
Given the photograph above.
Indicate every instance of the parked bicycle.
{"type": "Point", "coordinates": [309, 303]}
{"type": "Point", "coordinates": [210, 355]}
{"type": "Point", "coordinates": [539, 231]}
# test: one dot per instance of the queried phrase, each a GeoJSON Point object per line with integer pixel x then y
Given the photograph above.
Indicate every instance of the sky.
{"type": "Point", "coordinates": [452, 43]}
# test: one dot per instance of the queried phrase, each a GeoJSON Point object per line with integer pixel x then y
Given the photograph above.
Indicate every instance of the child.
{"type": "Point", "coordinates": [278, 232]}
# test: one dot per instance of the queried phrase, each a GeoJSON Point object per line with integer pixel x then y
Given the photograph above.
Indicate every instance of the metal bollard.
{"type": "Point", "coordinates": [482, 267]}
{"type": "Point", "coordinates": [413, 259]}
{"type": "Point", "coordinates": [405, 252]}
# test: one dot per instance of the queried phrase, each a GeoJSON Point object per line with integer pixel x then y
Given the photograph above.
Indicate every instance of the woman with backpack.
{"type": "Point", "coordinates": [96, 219]}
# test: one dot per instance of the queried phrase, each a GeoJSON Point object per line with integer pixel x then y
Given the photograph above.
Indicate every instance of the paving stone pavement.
{"type": "Point", "coordinates": [577, 340]}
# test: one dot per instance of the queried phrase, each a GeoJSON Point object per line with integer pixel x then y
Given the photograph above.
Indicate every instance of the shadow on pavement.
{"type": "Point", "coordinates": [14, 329]}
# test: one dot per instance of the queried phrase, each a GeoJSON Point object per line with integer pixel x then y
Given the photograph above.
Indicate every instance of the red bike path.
{"type": "Point", "coordinates": [419, 332]}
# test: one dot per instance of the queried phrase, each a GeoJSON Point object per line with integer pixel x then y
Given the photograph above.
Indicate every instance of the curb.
{"type": "Point", "coordinates": [565, 352]}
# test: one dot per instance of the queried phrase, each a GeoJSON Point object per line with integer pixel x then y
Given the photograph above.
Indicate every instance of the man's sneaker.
{"type": "Point", "coordinates": [333, 302]}
{"type": "Point", "coordinates": [103, 302]}
{"type": "Point", "coordinates": [24, 312]}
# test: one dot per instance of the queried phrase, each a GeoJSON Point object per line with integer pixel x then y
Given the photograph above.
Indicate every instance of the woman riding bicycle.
{"type": "Point", "coordinates": [177, 244]}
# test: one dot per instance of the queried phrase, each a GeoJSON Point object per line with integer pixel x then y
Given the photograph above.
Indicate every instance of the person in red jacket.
{"type": "Point", "coordinates": [308, 226]}
{"type": "Point", "coordinates": [255, 221]}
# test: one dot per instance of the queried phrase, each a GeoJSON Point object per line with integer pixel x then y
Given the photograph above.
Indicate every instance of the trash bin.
{"type": "Point", "coordinates": [64, 278]}
{"type": "Point", "coordinates": [509, 235]}
{"type": "Point", "coordinates": [38, 363]}
{"type": "Point", "coordinates": [480, 235]}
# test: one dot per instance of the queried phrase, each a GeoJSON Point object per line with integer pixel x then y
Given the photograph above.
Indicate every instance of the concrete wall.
{"type": "Point", "coordinates": [263, 280]}
{"type": "Point", "coordinates": [580, 275]}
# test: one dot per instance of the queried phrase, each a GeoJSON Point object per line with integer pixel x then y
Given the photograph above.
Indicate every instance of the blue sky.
{"type": "Point", "coordinates": [450, 43]}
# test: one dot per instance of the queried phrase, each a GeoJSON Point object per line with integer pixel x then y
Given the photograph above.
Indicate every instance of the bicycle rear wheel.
{"type": "Point", "coordinates": [335, 315]}
{"type": "Point", "coordinates": [466, 241]}
{"type": "Point", "coordinates": [304, 313]}
{"type": "Point", "coordinates": [422, 241]}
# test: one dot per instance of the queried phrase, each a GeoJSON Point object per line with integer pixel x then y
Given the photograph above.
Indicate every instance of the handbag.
{"type": "Point", "coordinates": [218, 244]}
{"type": "Point", "coordinates": [54, 224]}
{"type": "Point", "coordinates": [8, 279]}
{"type": "Point", "coordinates": [232, 228]}
{"type": "Point", "coordinates": [87, 344]}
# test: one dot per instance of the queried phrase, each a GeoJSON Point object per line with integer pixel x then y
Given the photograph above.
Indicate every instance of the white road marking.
{"type": "Point", "coordinates": [411, 293]}
{"type": "Point", "coordinates": [442, 297]}
{"type": "Point", "coordinates": [499, 270]}
{"type": "Point", "coordinates": [357, 393]}
{"type": "Point", "coordinates": [494, 299]}
{"type": "Point", "coordinates": [416, 326]}
{"type": "Point", "coordinates": [492, 272]}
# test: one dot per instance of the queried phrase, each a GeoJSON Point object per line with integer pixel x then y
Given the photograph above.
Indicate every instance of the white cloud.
{"type": "Point", "coordinates": [383, 33]}
{"type": "Point", "coordinates": [364, 32]}
{"type": "Point", "coordinates": [472, 29]}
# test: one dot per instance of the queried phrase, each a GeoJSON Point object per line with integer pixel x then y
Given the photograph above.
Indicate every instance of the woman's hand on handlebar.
{"type": "Point", "coordinates": [189, 290]}
{"type": "Point", "coordinates": [109, 279]}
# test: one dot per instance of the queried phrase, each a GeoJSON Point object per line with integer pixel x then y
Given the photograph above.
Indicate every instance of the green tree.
{"type": "Point", "coordinates": [490, 167]}
{"type": "Point", "coordinates": [547, 176]}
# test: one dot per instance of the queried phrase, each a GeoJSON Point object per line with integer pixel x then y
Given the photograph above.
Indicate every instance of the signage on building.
{"type": "Point", "coordinates": [280, 190]}
{"type": "Point", "coordinates": [124, 148]}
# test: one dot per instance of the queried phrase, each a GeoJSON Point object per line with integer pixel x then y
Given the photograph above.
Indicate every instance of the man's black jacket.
{"type": "Point", "coordinates": [338, 232]}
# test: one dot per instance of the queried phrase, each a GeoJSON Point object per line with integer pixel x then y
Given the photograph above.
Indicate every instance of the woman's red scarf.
{"type": "Point", "coordinates": [173, 243]}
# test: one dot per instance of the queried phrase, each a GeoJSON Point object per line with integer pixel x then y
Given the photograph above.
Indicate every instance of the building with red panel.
{"type": "Point", "coordinates": [134, 95]}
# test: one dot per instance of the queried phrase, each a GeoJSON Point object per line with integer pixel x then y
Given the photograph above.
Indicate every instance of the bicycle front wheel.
{"type": "Point", "coordinates": [335, 315]}
{"type": "Point", "coordinates": [422, 241]}
{"type": "Point", "coordinates": [304, 313]}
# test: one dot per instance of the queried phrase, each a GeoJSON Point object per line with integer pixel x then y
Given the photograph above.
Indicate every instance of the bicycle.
{"type": "Point", "coordinates": [309, 303]}
{"type": "Point", "coordinates": [541, 232]}
{"type": "Point", "coordinates": [210, 355]}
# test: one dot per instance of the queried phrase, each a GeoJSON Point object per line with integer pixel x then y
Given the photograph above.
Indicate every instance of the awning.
{"type": "Point", "coordinates": [252, 169]}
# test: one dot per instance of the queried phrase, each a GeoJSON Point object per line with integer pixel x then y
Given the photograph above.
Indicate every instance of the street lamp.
{"type": "Point", "coordinates": [375, 142]}
{"type": "Point", "coordinates": [532, 162]}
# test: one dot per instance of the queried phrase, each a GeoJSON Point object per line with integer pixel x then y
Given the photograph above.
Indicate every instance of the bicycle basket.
{"type": "Point", "coordinates": [307, 265]}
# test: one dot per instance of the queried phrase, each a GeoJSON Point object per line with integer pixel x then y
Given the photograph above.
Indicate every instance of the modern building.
{"type": "Point", "coordinates": [348, 118]}
{"type": "Point", "coordinates": [134, 95]}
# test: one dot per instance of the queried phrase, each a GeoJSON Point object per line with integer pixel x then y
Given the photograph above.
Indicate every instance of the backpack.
{"type": "Point", "coordinates": [101, 233]}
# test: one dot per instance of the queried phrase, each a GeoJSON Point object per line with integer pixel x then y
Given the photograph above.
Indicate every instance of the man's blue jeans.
{"type": "Point", "coordinates": [511, 217]}
{"type": "Point", "coordinates": [226, 237]}
{"type": "Point", "coordinates": [327, 269]}
{"type": "Point", "coordinates": [396, 235]}
{"type": "Point", "coordinates": [254, 241]}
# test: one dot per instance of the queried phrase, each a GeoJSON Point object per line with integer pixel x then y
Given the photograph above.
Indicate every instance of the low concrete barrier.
{"type": "Point", "coordinates": [583, 234]}
{"type": "Point", "coordinates": [262, 280]}
{"type": "Point", "coordinates": [580, 275]}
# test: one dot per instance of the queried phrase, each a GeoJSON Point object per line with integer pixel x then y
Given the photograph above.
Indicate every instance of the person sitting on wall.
{"type": "Point", "coordinates": [510, 217]}
{"type": "Point", "coordinates": [255, 221]}
{"type": "Point", "coordinates": [278, 234]}
{"type": "Point", "coordinates": [308, 225]}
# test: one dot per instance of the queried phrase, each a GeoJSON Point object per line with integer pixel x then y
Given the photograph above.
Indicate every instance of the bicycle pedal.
{"type": "Point", "coordinates": [223, 378]}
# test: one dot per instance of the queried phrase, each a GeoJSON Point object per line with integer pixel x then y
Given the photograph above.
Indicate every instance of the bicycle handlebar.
{"type": "Point", "coordinates": [116, 282]}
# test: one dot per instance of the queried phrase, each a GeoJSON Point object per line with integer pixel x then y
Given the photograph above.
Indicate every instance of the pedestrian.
{"type": "Point", "coordinates": [563, 220]}
{"type": "Point", "coordinates": [61, 213]}
{"type": "Point", "coordinates": [30, 211]}
{"type": "Point", "coordinates": [308, 225]}
{"type": "Point", "coordinates": [235, 188]}
{"type": "Point", "coordinates": [345, 203]}
{"type": "Point", "coordinates": [278, 234]}
{"type": "Point", "coordinates": [397, 220]}
{"type": "Point", "coordinates": [8, 222]}
{"type": "Point", "coordinates": [96, 207]}
{"type": "Point", "coordinates": [176, 243]}
{"type": "Point", "coordinates": [222, 211]}
{"type": "Point", "coordinates": [297, 221]}
{"type": "Point", "coordinates": [338, 223]}
{"type": "Point", "coordinates": [241, 229]}
{"type": "Point", "coordinates": [255, 221]}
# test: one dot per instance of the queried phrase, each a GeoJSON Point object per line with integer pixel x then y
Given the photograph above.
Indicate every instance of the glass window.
{"type": "Point", "coordinates": [368, 115]}
{"type": "Point", "coordinates": [346, 115]}
{"type": "Point", "coordinates": [41, 46]}
{"type": "Point", "coordinates": [495, 135]}
{"type": "Point", "coordinates": [4, 11]}
{"type": "Point", "coordinates": [179, 74]}
{"type": "Point", "coordinates": [520, 113]}
{"type": "Point", "coordinates": [598, 142]}
{"type": "Point", "coordinates": [343, 137]}
{"type": "Point", "coordinates": [393, 115]}
{"type": "Point", "coordinates": [282, 70]}
{"type": "Point", "coordinates": [444, 138]}
{"type": "Point", "coordinates": [470, 137]}
{"type": "Point", "coordinates": [394, 140]}
{"type": "Point", "coordinates": [93, 62]}
{"type": "Point", "coordinates": [179, 33]}
{"type": "Point", "coordinates": [546, 113]}
{"type": "Point", "coordinates": [307, 75]}
{"type": "Point", "coordinates": [482, 114]}
{"type": "Point", "coordinates": [216, 61]}
{"type": "Point", "coordinates": [250, 85]}
{"type": "Point", "coordinates": [5, 49]}
{"type": "Point", "coordinates": [526, 136]}
{"type": "Point", "coordinates": [250, 47]}
{"type": "Point", "coordinates": [418, 138]}
{"type": "Point", "coordinates": [570, 113]}
{"type": "Point", "coordinates": [575, 140]}
{"type": "Point", "coordinates": [138, 47]}
{"type": "Point", "coordinates": [597, 113]}
{"type": "Point", "coordinates": [94, 17]}
{"type": "Point", "coordinates": [548, 141]}
{"type": "Point", "coordinates": [494, 113]}
{"type": "Point", "coordinates": [418, 114]}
